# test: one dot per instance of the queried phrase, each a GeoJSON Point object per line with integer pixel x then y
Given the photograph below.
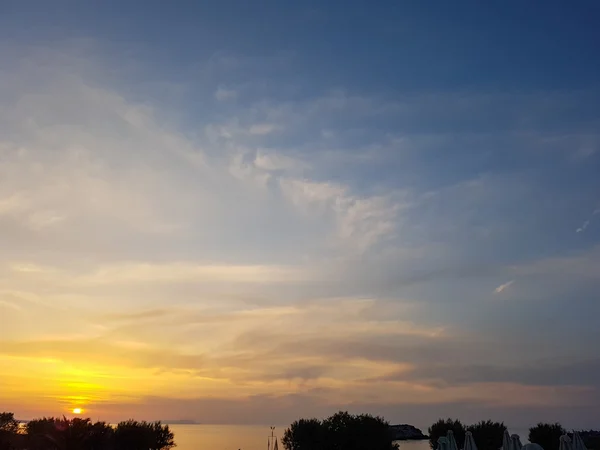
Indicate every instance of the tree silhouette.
{"type": "Point", "coordinates": [50, 433]}
{"type": "Point", "coordinates": [9, 428]}
{"type": "Point", "coordinates": [487, 434]}
{"type": "Point", "coordinates": [134, 435]}
{"type": "Point", "coordinates": [8, 423]}
{"type": "Point", "coordinates": [441, 427]}
{"type": "Point", "coordinates": [342, 431]}
{"type": "Point", "coordinates": [305, 434]}
{"type": "Point", "coordinates": [547, 435]}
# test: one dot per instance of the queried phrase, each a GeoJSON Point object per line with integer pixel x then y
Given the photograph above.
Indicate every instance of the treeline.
{"type": "Point", "coordinates": [50, 433]}
{"type": "Point", "coordinates": [342, 431]}
{"type": "Point", "coordinates": [488, 434]}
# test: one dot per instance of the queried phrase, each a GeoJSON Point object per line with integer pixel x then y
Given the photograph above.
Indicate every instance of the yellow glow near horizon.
{"type": "Point", "coordinates": [77, 410]}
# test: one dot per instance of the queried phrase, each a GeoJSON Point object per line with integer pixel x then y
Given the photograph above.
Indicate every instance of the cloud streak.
{"type": "Point", "coordinates": [504, 286]}
{"type": "Point", "coordinates": [586, 223]}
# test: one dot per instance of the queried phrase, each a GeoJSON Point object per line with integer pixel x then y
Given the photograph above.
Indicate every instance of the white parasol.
{"type": "Point", "coordinates": [469, 441]}
{"type": "Point", "coordinates": [565, 443]}
{"type": "Point", "coordinates": [451, 441]}
{"type": "Point", "coordinates": [442, 443]}
{"type": "Point", "coordinates": [506, 442]}
{"type": "Point", "coordinates": [577, 443]}
{"type": "Point", "coordinates": [515, 442]}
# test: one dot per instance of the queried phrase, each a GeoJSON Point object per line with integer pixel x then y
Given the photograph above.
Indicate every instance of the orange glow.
{"type": "Point", "coordinates": [77, 410]}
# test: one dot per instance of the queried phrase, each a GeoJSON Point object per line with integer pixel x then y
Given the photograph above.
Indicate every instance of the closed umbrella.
{"type": "Point", "coordinates": [442, 443]}
{"type": "Point", "coordinates": [515, 442]}
{"type": "Point", "coordinates": [577, 443]}
{"type": "Point", "coordinates": [565, 443]}
{"type": "Point", "coordinates": [451, 441]}
{"type": "Point", "coordinates": [506, 443]}
{"type": "Point", "coordinates": [469, 441]}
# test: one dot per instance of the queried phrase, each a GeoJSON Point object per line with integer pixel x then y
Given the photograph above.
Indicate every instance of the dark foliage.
{"type": "Point", "coordinates": [342, 431]}
{"type": "Point", "coordinates": [591, 439]}
{"type": "Point", "coordinates": [8, 422]}
{"type": "Point", "coordinates": [8, 430]}
{"type": "Point", "coordinates": [133, 435]}
{"type": "Point", "coordinates": [305, 434]}
{"type": "Point", "coordinates": [487, 434]}
{"type": "Point", "coordinates": [51, 433]}
{"type": "Point", "coordinates": [441, 427]}
{"type": "Point", "coordinates": [547, 435]}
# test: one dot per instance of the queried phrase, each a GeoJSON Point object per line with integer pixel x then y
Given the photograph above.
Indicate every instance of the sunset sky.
{"type": "Point", "coordinates": [252, 211]}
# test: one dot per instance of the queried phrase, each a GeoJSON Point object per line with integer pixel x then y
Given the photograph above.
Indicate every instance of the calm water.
{"type": "Point", "coordinates": [233, 437]}
{"type": "Point", "coordinates": [222, 437]}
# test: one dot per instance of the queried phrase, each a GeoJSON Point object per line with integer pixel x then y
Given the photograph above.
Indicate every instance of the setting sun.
{"type": "Point", "coordinates": [77, 410]}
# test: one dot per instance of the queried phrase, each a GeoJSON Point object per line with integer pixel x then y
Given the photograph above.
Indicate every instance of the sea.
{"type": "Point", "coordinates": [253, 437]}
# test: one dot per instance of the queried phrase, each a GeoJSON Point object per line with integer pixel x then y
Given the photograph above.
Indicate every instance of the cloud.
{"type": "Point", "coordinates": [586, 223]}
{"type": "Point", "coordinates": [7, 304]}
{"type": "Point", "coordinates": [361, 222]}
{"type": "Point", "coordinates": [74, 175]}
{"type": "Point", "coordinates": [102, 353]}
{"type": "Point", "coordinates": [583, 227]}
{"type": "Point", "coordinates": [283, 252]}
{"type": "Point", "coordinates": [138, 315]}
{"type": "Point", "coordinates": [535, 373]}
{"type": "Point", "coordinates": [272, 161]}
{"type": "Point", "coordinates": [261, 129]}
{"type": "Point", "coordinates": [504, 286]}
{"type": "Point", "coordinates": [223, 94]}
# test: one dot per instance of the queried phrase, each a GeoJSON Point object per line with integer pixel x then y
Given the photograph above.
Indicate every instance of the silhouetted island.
{"type": "Point", "coordinates": [180, 422]}
{"type": "Point", "coordinates": [404, 432]}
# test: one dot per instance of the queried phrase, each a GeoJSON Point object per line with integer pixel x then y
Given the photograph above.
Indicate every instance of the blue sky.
{"type": "Point", "coordinates": [262, 210]}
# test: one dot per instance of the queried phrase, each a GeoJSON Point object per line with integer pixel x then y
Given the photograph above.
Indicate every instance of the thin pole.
{"type": "Point", "coordinates": [270, 441]}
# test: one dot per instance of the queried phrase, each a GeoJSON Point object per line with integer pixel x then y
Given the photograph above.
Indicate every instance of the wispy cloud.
{"type": "Point", "coordinates": [586, 223]}
{"type": "Point", "coordinates": [583, 227]}
{"type": "Point", "coordinates": [504, 286]}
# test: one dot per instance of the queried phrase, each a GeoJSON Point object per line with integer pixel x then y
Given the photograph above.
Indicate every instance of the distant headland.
{"type": "Point", "coordinates": [180, 422]}
{"type": "Point", "coordinates": [404, 432]}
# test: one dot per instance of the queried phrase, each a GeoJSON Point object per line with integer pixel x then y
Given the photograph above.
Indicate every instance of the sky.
{"type": "Point", "coordinates": [250, 212]}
